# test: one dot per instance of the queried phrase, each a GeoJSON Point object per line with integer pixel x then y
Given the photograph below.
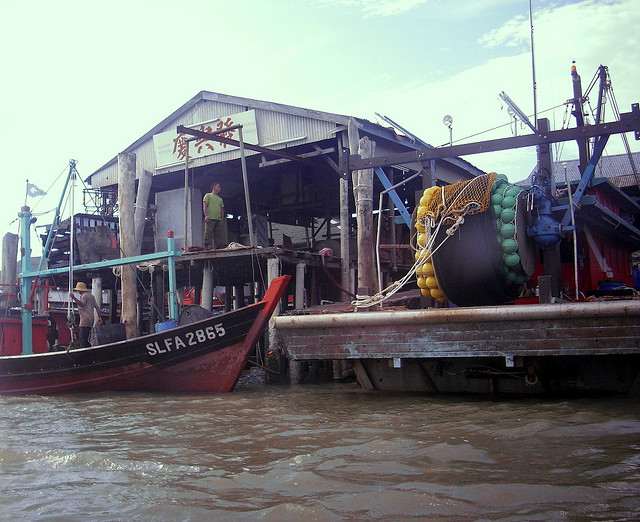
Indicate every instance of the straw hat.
{"type": "Point", "coordinates": [81, 287]}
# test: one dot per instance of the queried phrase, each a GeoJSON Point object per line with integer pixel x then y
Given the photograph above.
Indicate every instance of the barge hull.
{"type": "Point", "coordinates": [532, 349]}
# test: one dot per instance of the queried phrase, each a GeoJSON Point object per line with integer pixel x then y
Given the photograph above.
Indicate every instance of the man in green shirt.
{"type": "Point", "coordinates": [215, 223]}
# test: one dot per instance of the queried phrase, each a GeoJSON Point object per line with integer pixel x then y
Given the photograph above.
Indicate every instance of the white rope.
{"type": "Point", "coordinates": [428, 250]}
{"type": "Point", "coordinates": [379, 297]}
{"type": "Point", "coordinates": [149, 266]}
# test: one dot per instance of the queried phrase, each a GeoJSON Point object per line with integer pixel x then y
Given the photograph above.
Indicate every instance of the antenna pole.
{"type": "Point", "coordinates": [533, 69]}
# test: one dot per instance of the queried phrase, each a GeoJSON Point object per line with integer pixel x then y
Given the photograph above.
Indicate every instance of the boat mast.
{"type": "Point", "coordinates": [533, 70]}
{"type": "Point", "coordinates": [72, 228]}
{"type": "Point", "coordinates": [25, 282]}
{"type": "Point", "coordinates": [54, 224]}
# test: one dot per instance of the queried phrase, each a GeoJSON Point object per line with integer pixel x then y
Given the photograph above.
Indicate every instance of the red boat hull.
{"type": "Point", "coordinates": [207, 356]}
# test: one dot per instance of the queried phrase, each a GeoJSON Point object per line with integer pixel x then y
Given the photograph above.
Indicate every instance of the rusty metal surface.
{"type": "Point", "coordinates": [593, 328]}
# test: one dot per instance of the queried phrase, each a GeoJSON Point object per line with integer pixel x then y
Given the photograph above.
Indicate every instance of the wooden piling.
{"type": "Point", "coordinates": [142, 201]}
{"type": "Point", "coordinates": [362, 181]}
{"type": "Point", "coordinates": [10, 268]}
{"type": "Point", "coordinates": [345, 225]}
{"type": "Point", "coordinates": [126, 184]}
{"type": "Point", "coordinates": [207, 286]}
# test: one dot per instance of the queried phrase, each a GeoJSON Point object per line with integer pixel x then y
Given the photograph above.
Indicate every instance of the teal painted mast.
{"type": "Point", "coordinates": [171, 260]}
{"type": "Point", "coordinates": [25, 282]}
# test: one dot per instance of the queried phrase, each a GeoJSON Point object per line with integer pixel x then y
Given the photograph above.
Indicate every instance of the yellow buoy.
{"type": "Point", "coordinates": [427, 270]}
{"type": "Point", "coordinates": [432, 282]}
{"type": "Point", "coordinates": [436, 293]}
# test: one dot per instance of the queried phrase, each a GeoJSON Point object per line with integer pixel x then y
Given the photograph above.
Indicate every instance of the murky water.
{"type": "Point", "coordinates": [322, 452]}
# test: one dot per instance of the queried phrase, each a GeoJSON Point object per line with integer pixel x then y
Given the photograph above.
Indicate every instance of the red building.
{"type": "Point", "coordinates": [606, 223]}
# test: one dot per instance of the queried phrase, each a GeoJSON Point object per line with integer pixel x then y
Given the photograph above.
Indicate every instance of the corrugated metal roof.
{"type": "Point", "coordinates": [616, 168]}
{"type": "Point", "coordinates": [277, 124]}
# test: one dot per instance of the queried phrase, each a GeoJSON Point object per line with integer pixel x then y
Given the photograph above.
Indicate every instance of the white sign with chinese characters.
{"type": "Point", "coordinates": [171, 147]}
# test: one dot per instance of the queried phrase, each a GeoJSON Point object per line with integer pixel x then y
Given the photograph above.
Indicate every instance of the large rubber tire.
{"type": "Point", "coordinates": [469, 265]}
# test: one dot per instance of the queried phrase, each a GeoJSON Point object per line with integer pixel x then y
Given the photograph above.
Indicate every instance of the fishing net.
{"type": "Point", "coordinates": [453, 201]}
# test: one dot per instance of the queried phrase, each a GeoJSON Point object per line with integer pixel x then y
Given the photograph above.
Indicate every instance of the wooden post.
{"type": "Point", "coordinates": [545, 289]}
{"type": "Point", "coordinates": [245, 182]}
{"type": "Point", "coordinates": [187, 203]}
{"type": "Point", "coordinates": [239, 296]}
{"type": "Point", "coordinates": [345, 227]}
{"type": "Point", "coordinates": [299, 301]}
{"type": "Point", "coordinates": [96, 291]}
{"type": "Point", "coordinates": [142, 201]}
{"type": "Point", "coordinates": [273, 271]}
{"type": "Point", "coordinates": [363, 194]}
{"type": "Point", "coordinates": [126, 184]}
{"type": "Point", "coordinates": [207, 286]}
{"type": "Point", "coordinates": [228, 298]}
{"type": "Point", "coordinates": [10, 268]}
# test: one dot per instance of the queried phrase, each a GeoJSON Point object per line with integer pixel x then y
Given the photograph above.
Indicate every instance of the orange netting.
{"type": "Point", "coordinates": [459, 199]}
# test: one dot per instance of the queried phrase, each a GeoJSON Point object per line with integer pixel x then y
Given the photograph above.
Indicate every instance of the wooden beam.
{"type": "Point", "coordinates": [317, 152]}
{"type": "Point", "coordinates": [362, 375]}
{"type": "Point", "coordinates": [629, 122]}
{"type": "Point", "coordinates": [331, 163]}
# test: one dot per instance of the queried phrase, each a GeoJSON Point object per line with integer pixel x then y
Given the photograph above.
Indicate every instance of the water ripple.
{"type": "Point", "coordinates": [323, 453]}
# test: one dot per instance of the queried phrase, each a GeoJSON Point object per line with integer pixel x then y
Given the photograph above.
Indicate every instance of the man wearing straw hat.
{"type": "Point", "coordinates": [86, 305]}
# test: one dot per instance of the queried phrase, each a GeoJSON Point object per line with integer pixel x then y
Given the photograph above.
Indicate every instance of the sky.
{"type": "Point", "coordinates": [84, 79]}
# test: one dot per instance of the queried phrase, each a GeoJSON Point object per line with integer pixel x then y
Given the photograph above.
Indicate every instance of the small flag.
{"type": "Point", "coordinates": [34, 191]}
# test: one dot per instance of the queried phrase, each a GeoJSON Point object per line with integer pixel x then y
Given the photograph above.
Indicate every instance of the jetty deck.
{"type": "Point", "coordinates": [445, 349]}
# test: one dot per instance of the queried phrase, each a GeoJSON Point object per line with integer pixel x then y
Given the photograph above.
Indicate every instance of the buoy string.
{"type": "Point", "coordinates": [383, 295]}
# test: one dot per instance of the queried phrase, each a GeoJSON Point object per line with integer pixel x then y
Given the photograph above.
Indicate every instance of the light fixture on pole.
{"type": "Point", "coordinates": [448, 121]}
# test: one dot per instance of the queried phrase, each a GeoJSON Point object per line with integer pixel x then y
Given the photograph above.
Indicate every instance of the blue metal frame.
{"type": "Point", "coordinates": [47, 245]}
{"type": "Point", "coordinates": [546, 231]}
{"type": "Point", "coordinates": [598, 149]}
{"type": "Point", "coordinates": [406, 217]}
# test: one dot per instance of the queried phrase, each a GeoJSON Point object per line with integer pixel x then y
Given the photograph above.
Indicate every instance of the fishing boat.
{"type": "Point", "coordinates": [195, 351]}
{"type": "Point", "coordinates": [205, 356]}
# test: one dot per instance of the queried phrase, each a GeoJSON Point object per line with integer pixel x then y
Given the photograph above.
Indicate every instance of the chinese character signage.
{"type": "Point", "coordinates": [171, 147]}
